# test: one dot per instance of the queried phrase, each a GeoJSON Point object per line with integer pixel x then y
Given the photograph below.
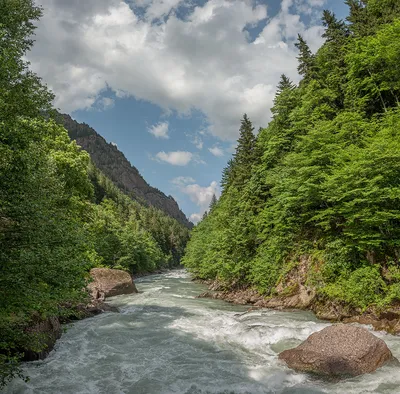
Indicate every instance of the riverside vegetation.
{"type": "Point", "coordinates": [59, 215]}
{"type": "Point", "coordinates": [321, 183]}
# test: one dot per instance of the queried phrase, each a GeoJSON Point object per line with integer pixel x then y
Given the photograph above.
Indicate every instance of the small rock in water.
{"type": "Point", "coordinates": [339, 350]}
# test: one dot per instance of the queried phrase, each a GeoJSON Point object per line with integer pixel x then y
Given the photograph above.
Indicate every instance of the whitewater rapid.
{"type": "Point", "coordinates": [165, 340]}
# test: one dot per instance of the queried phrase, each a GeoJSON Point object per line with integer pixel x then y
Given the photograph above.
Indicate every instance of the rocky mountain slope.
{"type": "Point", "coordinates": [113, 163]}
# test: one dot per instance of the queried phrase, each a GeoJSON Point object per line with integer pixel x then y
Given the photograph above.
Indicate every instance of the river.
{"type": "Point", "coordinates": [165, 340]}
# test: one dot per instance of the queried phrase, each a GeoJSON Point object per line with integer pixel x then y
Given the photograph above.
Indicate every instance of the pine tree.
{"type": "Point", "coordinates": [306, 59]}
{"type": "Point", "coordinates": [335, 30]}
{"type": "Point", "coordinates": [284, 83]}
{"type": "Point", "coordinates": [213, 202]}
{"type": "Point", "coordinates": [357, 16]}
{"type": "Point", "coordinates": [227, 175]}
{"type": "Point", "coordinates": [331, 62]}
{"type": "Point", "coordinates": [284, 99]}
{"type": "Point", "coordinates": [244, 156]}
{"type": "Point", "coordinates": [367, 16]}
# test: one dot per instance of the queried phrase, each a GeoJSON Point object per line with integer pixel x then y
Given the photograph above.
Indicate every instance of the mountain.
{"type": "Point", "coordinates": [113, 163]}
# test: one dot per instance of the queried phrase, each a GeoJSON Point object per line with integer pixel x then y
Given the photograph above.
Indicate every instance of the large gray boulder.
{"type": "Point", "coordinates": [109, 282]}
{"type": "Point", "coordinates": [338, 350]}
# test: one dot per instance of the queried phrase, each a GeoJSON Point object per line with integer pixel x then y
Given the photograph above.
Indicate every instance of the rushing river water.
{"type": "Point", "coordinates": [165, 340]}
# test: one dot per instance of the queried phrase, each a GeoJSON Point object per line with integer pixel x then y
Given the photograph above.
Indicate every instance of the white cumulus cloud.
{"type": "Point", "coordinates": [216, 151]}
{"type": "Point", "coordinates": [196, 140]}
{"type": "Point", "coordinates": [106, 103]}
{"type": "Point", "coordinates": [195, 217]}
{"type": "Point", "coordinates": [141, 48]}
{"type": "Point", "coordinates": [178, 158]}
{"type": "Point", "coordinates": [200, 195]}
{"type": "Point", "coordinates": [159, 130]}
{"type": "Point", "coordinates": [182, 180]}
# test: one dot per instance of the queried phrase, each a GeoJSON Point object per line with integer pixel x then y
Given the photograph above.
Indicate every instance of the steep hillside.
{"type": "Point", "coordinates": [311, 205]}
{"type": "Point", "coordinates": [115, 165]}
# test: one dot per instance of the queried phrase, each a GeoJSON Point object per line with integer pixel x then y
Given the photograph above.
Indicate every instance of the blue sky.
{"type": "Point", "coordinates": [169, 80]}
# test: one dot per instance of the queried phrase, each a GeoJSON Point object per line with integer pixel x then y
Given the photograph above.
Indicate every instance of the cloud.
{"type": "Point", "coordinates": [203, 60]}
{"type": "Point", "coordinates": [195, 217]}
{"type": "Point", "coordinates": [160, 8]}
{"type": "Point", "coordinates": [178, 158]}
{"type": "Point", "coordinates": [105, 103]}
{"type": "Point", "coordinates": [196, 140]}
{"type": "Point", "coordinates": [159, 130]}
{"type": "Point", "coordinates": [216, 151]}
{"type": "Point", "coordinates": [309, 7]}
{"type": "Point", "coordinates": [182, 180]}
{"type": "Point", "coordinates": [200, 195]}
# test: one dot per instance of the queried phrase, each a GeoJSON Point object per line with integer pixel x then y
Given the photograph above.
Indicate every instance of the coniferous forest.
{"type": "Point", "coordinates": [59, 215]}
{"type": "Point", "coordinates": [321, 183]}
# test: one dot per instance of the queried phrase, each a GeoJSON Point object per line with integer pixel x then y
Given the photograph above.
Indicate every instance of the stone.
{"type": "Point", "coordinates": [339, 350]}
{"type": "Point", "coordinates": [110, 282]}
{"type": "Point", "coordinates": [45, 332]}
{"type": "Point", "coordinates": [97, 307]}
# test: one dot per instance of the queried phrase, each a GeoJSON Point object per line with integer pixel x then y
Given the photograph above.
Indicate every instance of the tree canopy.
{"type": "Point", "coordinates": [59, 215]}
{"type": "Point", "coordinates": [324, 181]}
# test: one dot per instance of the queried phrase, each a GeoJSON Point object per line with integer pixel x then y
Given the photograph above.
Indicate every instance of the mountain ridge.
{"type": "Point", "coordinates": [113, 163]}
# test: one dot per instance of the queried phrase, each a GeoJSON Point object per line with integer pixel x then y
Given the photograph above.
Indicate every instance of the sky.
{"type": "Point", "coordinates": [168, 81]}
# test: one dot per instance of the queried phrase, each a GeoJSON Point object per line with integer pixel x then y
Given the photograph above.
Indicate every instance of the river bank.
{"type": "Point", "coordinates": [50, 330]}
{"type": "Point", "coordinates": [301, 297]}
{"type": "Point", "coordinates": [166, 340]}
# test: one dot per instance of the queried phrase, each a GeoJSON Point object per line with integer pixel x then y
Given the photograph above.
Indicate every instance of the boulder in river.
{"type": "Point", "coordinates": [339, 350]}
{"type": "Point", "coordinates": [46, 333]}
{"type": "Point", "coordinates": [110, 282]}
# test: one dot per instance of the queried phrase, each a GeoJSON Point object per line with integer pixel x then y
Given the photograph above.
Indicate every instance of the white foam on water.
{"type": "Point", "coordinates": [167, 341]}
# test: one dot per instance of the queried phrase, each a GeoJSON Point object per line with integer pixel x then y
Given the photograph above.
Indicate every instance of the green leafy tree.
{"type": "Point", "coordinates": [21, 91]}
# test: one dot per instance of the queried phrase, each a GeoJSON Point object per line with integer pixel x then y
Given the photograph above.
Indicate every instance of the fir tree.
{"type": "Point", "coordinates": [213, 202]}
{"type": "Point", "coordinates": [335, 30]}
{"type": "Point", "coordinates": [357, 17]}
{"type": "Point", "coordinates": [306, 59]}
{"type": "Point", "coordinates": [284, 99]}
{"type": "Point", "coordinates": [284, 84]}
{"type": "Point", "coordinates": [244, 156]}
{"type": "Point", "coordinates": [227, 175]}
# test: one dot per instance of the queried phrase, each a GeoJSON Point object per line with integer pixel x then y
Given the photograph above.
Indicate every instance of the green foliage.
{"type": "Point", "coordinates": [44, 254]}
{"type": "Point", "coordinates": [59, 216]}
{"type": "Point", "coordinates": [373, 72]}
{"type": "Point", "coordinates": [325, 177]}
{"type": "Point", "coordinates": [21, 91]}
{"type": "Point", "coordinates": [361, 288]}
{"type": "Point", "coordinates": [306, 59]}
{"type": "Point", "coordinates": [237, 171]}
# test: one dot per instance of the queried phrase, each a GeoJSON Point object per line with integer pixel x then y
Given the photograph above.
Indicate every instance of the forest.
{"type": "Point", "coordinates": [59, 215]}
{"type": "Point", "coordinates": [320, 183]}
